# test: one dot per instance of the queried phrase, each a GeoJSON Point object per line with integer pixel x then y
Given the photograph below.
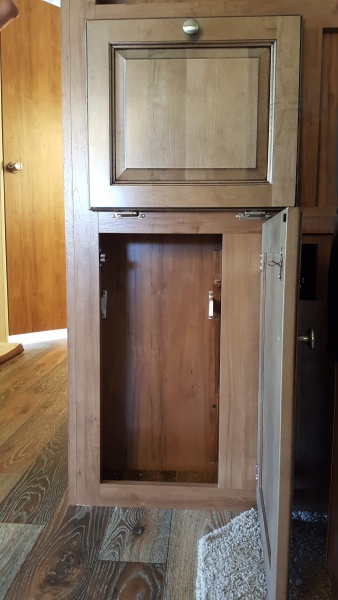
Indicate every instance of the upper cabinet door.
{"type": "Point", "coordinates": [193, 121]}
{"type": "Point", "coordinates": [278, 327]}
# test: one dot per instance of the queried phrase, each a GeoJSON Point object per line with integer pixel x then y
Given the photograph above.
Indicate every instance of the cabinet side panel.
{"type": "Point", "coordinates": [327, 165]}
{"type": "Point", "coordinates": [82, 267]}
{"type": "Point", "coordinates": [239, 361]}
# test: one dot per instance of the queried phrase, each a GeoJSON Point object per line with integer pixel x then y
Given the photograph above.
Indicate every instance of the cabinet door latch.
{"type": "Point", "coordinates": [211, 305]}
{"type": "Point", "coordinates": [104, 298]}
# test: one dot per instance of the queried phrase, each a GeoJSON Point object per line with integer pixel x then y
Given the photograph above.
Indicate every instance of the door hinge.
{"type": "Point", "coordinates": [104, 297]}
{"type": "Point", "coordinates": [257, 472]}
{"type": "Point", "coordinates": [261, 261]}
{"type": "Point", "coordinates": [103, 258]}
{"type": "Point", "coordinates": [128, 214]}
{"type": "Point", "coordinates": [254, 214]}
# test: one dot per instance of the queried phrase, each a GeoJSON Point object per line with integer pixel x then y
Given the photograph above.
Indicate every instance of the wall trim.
{"type": "Point", "coordinates": [39, 336]}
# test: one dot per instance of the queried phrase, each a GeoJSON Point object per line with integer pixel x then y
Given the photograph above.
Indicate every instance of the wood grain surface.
{"type": "Point", "coordinates": [41, 487]}
{"type": "Point", "coordinates": [123, 9]}
{"type": "Point", "coordinates": [137, 535]}
{"type": "Point", "coordinates": [158, 379]}
{"type": "Point", "coordinates": [51, 550]}
{"type": "Point", "coordinates": [21, 448]}
{"type": "Point", "coordinates": [7, 482]}
{"type": "Point", "coordinates": [199, 128]}
{"type": "Point", "coordinates": [34, 208]}
{"type": "Point", "coordinates": [82, 224]}
{"type": "Point", "coordinates": [327, 185]}
{"type": "Point", "coordinates": [61, 561]}
{"type": "Point", "coordinates": [23, 399]}
{"type": "Point", "coordinates": [16, 541]}
{"type": "Point", "coordinates": [187, 528]}
{"type": "Point", "coordinates": [123, 581]}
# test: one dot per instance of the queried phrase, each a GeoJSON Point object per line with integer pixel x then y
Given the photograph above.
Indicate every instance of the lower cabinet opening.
{"type": "Point", "coordinates": [160, 347]}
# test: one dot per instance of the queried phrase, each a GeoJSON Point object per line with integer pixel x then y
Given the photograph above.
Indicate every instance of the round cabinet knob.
{"type": "Point", "coordinates": [190, 26]}
{"type": "Point", "coordinates": [309, 339]}
{"type": "Point", "coordinates": [14, 167]}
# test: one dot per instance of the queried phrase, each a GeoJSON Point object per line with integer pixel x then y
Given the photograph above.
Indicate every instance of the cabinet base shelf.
{"type": "Point", "coordinates": [162, 476]}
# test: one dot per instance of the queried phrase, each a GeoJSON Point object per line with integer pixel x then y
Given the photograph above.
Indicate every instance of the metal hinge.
{"type": "Point", "coordinates": [104, 297]}
{"type": "Point", "coordinates": [128, 214]}
{"type": "Point", "coordinates": [103, 258]}
{"type": "Point", "coordinates": [254, 214]}
{"type": "Point", "coordinates": [261, 261]}
{"type": "Point", "coordinates": [257, 472]}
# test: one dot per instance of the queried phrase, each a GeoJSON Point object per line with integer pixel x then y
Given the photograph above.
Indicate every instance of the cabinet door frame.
{"type": "Point", "coordinates": [281, 34]}
{"type": "Point", "coordinates": [229, 492]}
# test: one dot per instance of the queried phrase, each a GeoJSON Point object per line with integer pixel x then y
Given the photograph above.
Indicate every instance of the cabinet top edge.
{"type": "Point", "coordinates": [310, 8]}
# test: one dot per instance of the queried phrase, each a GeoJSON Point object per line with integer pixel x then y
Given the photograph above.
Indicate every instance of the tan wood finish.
{"type": "Point", "coordinates": [31, 111]}
{"type": "Point", "coordinates": [82, 226]}
{"type": "Point", "coordinates": [3, 269]}
{"type": "Point", "coordinates": [317, 21]}
{"type": "Point", "coordinates": [236, 471]}
{"type": "Point", "coordinates": [310, 113]}
{"type": "Point", "coordinates": [280, 247]}
{"type": "Point", "coordinates": [163, 117]}
{"type": "Point", "coordinates": [238, 406]}
{"type": "Point", "coordinates": [187, 222]}
{"type": "Point", "coordinates": [239, 370]}
{"type": "Point", "coordinates": [315, 220]}
{"type": "Point", "coordinates": [82, 258]}
{"type": "Point", "coordinates": [158, 382]}
{"type": "Point", "coordinates": [318, 220]}
{"type": "Point", "coordinates": [167, 139]}
{"type": "Point", "coordinates": [124, 9]}
{"type": "Point", "coordinates": [327, 185]}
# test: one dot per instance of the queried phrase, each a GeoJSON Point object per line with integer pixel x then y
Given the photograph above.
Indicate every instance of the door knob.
{"type": "Point", "coordinates": [14, 167]}
{"type": "Point", "coordinates": [308, 339]}
{"type": "Point", "coordinates": [190, 26]}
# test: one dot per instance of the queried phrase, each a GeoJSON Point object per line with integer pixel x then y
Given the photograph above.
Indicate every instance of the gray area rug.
{"type": "Point", "coordinates": [231, 566]}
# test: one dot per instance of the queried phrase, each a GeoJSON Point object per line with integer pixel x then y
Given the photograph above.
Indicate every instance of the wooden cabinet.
{"type": "Point", "coordinates": [170, 365]}
{"type": "Point", "coordinates": [193, 121]}
{"type": "Point", "coordinates": [168, 139]}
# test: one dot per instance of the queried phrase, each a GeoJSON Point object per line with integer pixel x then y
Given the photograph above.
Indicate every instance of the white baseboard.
{"type": "Point", "coordinates": [39, 336]}
{"type": "Point", "coordinates": [55, 2]}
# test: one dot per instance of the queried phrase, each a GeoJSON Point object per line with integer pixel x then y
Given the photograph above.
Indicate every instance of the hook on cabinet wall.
{"type": "Point", "coordinates": [274, 263]}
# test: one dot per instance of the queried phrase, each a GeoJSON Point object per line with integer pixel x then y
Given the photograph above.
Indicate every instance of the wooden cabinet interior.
{"type": "Point", "coordinates": [162, 386]}
{"type": "Point", "coordinates": [160, 357]}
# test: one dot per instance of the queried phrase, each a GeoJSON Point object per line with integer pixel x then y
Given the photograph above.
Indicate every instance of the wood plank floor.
{"type": "Point", "coordinates": [49, 550]}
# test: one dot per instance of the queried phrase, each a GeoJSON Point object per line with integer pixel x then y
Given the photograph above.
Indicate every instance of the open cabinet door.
{"type": "Point", "coordinates": [279, 294]}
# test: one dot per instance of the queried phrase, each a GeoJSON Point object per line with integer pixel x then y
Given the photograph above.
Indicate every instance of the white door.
{"type": "Point", "coordinates": [278, 327]}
